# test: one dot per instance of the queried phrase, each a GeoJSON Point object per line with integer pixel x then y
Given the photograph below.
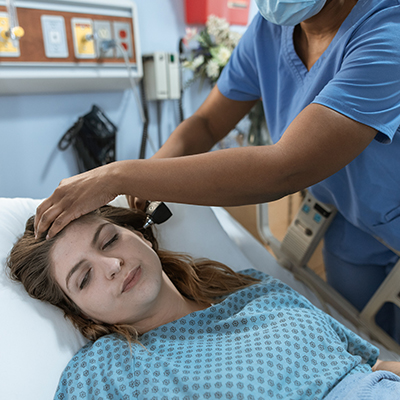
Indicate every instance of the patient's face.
{"type": "Point", "coordinates": [111, 273]}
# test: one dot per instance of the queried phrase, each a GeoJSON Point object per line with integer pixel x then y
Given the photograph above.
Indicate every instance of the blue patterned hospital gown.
{"type": "Point", "coordinates": [265, 341]}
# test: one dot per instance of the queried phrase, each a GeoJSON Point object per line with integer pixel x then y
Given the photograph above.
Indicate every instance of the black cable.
{"type": "Point", "coordinates": [158, 103]}
{"type": "Point", "coordinates": [180, 101]}
{"type": "Point", "coordinates": [180, 108]}
{"type": "Point", "coordinates": [142, 153]}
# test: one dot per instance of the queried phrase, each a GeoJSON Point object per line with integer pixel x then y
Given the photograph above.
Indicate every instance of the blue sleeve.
{"type": "Point", "coordinates": [239, 78]}
{"type": "Point", "coordinates": [367, 87]}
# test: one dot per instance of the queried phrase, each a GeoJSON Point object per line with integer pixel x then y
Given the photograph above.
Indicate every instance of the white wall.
{"type": "Point", "coordinates": [31, 125]}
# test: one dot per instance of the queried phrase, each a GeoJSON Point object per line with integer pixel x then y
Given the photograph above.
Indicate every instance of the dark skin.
{"type": "Point", "coordinates": [182, 171]}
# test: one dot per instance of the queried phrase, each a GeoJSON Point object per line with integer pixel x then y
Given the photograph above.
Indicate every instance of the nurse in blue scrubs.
{"type": "Point", "coordinates": [328, 72]}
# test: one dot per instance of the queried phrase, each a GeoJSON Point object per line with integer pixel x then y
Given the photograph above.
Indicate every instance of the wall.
{"type": "Point", "coordinates": [31, 126]}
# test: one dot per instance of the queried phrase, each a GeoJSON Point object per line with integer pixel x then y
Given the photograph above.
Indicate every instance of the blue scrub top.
{"type": "Point", "coordinates": [359, 76]}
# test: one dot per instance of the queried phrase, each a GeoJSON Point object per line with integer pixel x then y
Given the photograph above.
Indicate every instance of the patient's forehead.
{"type": "Point", "coordinates": [78, 226]}
{"type": "Point", "coordinates": [87, 219]}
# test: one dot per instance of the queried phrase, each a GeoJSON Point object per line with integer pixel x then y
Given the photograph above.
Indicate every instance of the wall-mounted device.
{"type": "Point", "coordinates": [58, 46]}
{"type": "Point", "coordinates": [162, 76]}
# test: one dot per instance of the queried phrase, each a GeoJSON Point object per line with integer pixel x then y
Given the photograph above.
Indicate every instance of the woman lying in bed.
{"type": "Point", "coordinates": [162, 325]}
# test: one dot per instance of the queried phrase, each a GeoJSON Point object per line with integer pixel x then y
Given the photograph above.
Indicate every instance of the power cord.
{"type": "Point", "coordinates": [108, 44]}
{"type": "Point", "coordinates": [142, 153]}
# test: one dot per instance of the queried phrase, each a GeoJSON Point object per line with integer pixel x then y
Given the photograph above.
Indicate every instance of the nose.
{"type": "Point", "coordinates": [112, 266]}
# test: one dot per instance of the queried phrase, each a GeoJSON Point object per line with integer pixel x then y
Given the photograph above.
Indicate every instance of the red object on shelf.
{"type": "Point", "coordinates": [236, 12]}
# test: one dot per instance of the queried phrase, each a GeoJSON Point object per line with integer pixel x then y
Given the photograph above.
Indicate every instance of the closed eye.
{"type": "Point", "coordinates": [86, 279]}
{"type": "Point", "coordinates": [111, 241]}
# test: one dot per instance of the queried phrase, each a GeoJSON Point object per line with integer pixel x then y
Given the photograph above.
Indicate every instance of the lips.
{"type": "Point", "coordinates": [131, 279]}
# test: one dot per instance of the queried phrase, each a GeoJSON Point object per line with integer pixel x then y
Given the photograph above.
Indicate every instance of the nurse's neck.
{"type": "Point", "coordinates": [329, 19]}
{"type": "Point", "coordinates": [312, 37]}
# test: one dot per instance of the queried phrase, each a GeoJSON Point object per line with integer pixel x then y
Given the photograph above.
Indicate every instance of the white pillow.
{"type": "Point", "coordinates": [36, 341]}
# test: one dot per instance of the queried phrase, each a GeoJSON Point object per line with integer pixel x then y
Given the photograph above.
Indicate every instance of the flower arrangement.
{"type": "Point", "coordinates": [206, 60]}
{"type": "Point", "coordinates": [215, 45]}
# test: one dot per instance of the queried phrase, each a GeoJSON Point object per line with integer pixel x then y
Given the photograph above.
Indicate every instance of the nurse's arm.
{"type": "Point", "coordinates": [214, 119]}
{"type": "Point", "coordinates": [83, 193]}
{"type": "Point", "coordinates": [318, 143]}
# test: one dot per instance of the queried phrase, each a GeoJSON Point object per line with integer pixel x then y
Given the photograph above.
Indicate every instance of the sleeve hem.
{"type": "Point", "coordinates": [385, 135]}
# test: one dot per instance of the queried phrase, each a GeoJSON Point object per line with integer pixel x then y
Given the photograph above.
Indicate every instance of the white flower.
{"type": "Point", "coordinates": [198, 61]}
{"type": "Point", "coordinates": [187, 64]}
{"type": "Point", "coordinates": [212, 69]}
{"type": "Point", "coordinates": [217, 27]}
{"type": "Point", "coordinates": [223, 55]}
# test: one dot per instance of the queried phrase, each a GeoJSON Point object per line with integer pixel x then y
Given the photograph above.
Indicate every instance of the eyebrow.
{"type": "Point", "coordinates": [97, 233]}
{"type": "Point", "coordinates": [80, 263]}
{"type": "Point", "coordinates": [73, 270]}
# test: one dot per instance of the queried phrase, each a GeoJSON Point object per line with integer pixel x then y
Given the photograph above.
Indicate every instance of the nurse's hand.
{"type": "Point", "coordinates": [75, 197]}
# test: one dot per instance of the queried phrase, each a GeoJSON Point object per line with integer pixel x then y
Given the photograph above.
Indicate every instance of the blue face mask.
{"type": "Point", "coordinates": [289, 12]}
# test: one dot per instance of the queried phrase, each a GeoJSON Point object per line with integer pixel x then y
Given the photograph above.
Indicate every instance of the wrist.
{"type": "Point", "coordinates": [113, 173]}
{"type": "Point", "coordinates": [120, 177]}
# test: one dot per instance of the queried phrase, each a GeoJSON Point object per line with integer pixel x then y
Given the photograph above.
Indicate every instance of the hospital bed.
{"type": "Point", "coordinates": [37, 342]}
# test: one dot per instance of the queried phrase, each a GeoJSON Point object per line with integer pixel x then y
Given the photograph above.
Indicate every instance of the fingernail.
{"type": "Point", "coordinates": [47, 237]}
{"type": "Point", "coordinates": [35, 236]}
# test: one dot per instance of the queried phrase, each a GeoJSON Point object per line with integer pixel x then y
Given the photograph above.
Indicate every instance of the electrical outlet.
{"type": "Point", "coordinates": [82, 30]}
{"type": "Point", "coordinates": [54, 36]}
{"type": "Point", "coordinates": [7, 47]}
{"type": "Point", "coordinates": [102, 31]}
{"type": "Point", "coordinates": [123, 37]}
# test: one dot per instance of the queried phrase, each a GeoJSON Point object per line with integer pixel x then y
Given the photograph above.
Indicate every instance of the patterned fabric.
{"type": "Point", "coordinates": [262, 342]}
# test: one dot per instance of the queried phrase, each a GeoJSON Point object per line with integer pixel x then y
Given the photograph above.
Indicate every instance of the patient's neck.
{"type": "Point", "coordinates": [171, 306]}
{"type": "Point", "coordinates": [175, 312]}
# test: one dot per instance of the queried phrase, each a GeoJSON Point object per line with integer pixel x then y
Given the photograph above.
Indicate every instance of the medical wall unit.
{"type": "Point", "coordinates": [162, 76]}
{"type": "Point", "coordinates": [68, 46]}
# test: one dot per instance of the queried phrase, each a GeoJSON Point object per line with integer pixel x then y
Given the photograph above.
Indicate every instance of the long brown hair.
{"type": "Point", "coordinates": [203, 280]}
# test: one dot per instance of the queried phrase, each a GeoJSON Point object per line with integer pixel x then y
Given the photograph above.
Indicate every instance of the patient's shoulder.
{"type": "Point", "coordinates": [254, 273]}
{"type": "Point", "coordinates": [104, 350]}
{"type": "Point", "coordinates": [94, 368]}
{"type": "Point", "coordinates": [269, 288]}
